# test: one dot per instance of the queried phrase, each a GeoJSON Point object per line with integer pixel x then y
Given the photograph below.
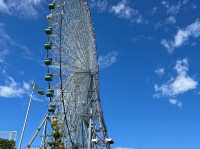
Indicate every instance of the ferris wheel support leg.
{"type": "Point", "coordinates": [90, 133]}
{"type": "Point", "coordinates": [37, 132]}
{"type": "Point", "coordinates": [27, 114]}
{"type": "Point", "coordinates": [44, 135]}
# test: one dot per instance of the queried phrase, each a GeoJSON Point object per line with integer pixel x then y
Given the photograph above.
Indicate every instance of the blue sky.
{"type": "Point", "coordinates": [149, 59]}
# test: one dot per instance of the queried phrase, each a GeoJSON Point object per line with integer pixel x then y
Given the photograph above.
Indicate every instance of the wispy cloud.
{"type": "Point", "coordinates": [3, 6]}
{"type": "Point", "coordinates": [171, 9]}
{"type": "Point", "coordinates": [174, 8]}
{"type": "Point", "coordinates": [171, 20]}
{"type": "Point", "coordinates": [123, 9]}
{"type": "Point", "coordinates": [179, 85]}
{"type": "Point", "coordinates": [107, 60]}
{"type": "Point", "coordinates": [100, 5]}
{"type": "Point", "coordinates": [25, 8]}
{"type": "Point", "coordinates": [160, 71]}
{"type": "Point", "coordinates": [12, 89]}
{"type": "Point", "coordinates": [7, 43]}
{"type": "Point", "coordinates": [182, 36]}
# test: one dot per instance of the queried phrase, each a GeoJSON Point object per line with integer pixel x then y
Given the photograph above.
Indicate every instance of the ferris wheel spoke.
{"type": "Point", "coordinates": [76, 51]}
{"type": "Point", "coordinates": [73, 56]}
{"type": "Point", "coordinates": [82, 33]}
{"type": "Point", "coordinates": [81, 49]}
{"type": "Point", "coordinates": [71, 63]}
{"type": "Point", "coordinates": [78, 30]}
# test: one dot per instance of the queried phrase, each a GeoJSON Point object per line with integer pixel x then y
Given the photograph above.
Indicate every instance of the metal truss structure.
{"type": "Point", "coordinates": [75, 118]}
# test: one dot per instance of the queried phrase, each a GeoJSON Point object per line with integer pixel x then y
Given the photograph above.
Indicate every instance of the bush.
{"type": "Point", "coordinates": [6, 144]}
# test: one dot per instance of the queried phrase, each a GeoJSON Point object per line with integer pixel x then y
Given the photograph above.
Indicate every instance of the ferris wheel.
{"type": "Point", "coordinates": [75, 118]}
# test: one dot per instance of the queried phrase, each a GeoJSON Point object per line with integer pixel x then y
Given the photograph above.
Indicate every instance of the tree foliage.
{"type": "Point", "coordinates": [6, 144]}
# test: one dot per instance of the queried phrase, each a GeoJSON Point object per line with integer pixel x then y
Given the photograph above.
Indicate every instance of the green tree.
{"type": "Point", "coordinates": [6, 144]}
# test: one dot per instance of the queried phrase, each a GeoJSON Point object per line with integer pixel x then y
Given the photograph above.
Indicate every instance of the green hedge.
{"type": "Point", "coordinates": [6, 144]}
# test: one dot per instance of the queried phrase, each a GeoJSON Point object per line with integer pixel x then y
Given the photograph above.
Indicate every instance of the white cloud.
{"type": "Point", "coordinates": [124, 10]}
{"type": "Point", "coordinates": [26, 86]}
{"type": "Point", "coordinates": [173, 101]}
{"type": "Point", "coordinates": [13, 89]}
{"type": "Point", "coordinates": [108, 60]}
{"type": "Point", "coordinates": [181, 84]}
{"type": "Point", "coordinates": [176, 102]}
{"type": "Point", "coordinates": [171, 20]}
{"type": "Point", "coordinates": [160, 71]}
{"type": "Point", "coordinates": [100, 5]}
{"type": "Point", "coordinates": [3, 7]}
{"type": "Point", "coordinates": [175, 8]}
{"type": "Point", "coordinates": [172, 11]}
{"type": "Point", "coordinates": [182, 36]}
{"type": "Point", "coordinates": [25, 8]}
{"type": "Point", "coordinates": [177, 86]}
{"type": "Point", "coordinates": [165, 3]}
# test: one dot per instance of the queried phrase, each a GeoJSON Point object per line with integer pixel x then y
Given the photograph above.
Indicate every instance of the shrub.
{"type": "Point", "coordinates": [6, 144]}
